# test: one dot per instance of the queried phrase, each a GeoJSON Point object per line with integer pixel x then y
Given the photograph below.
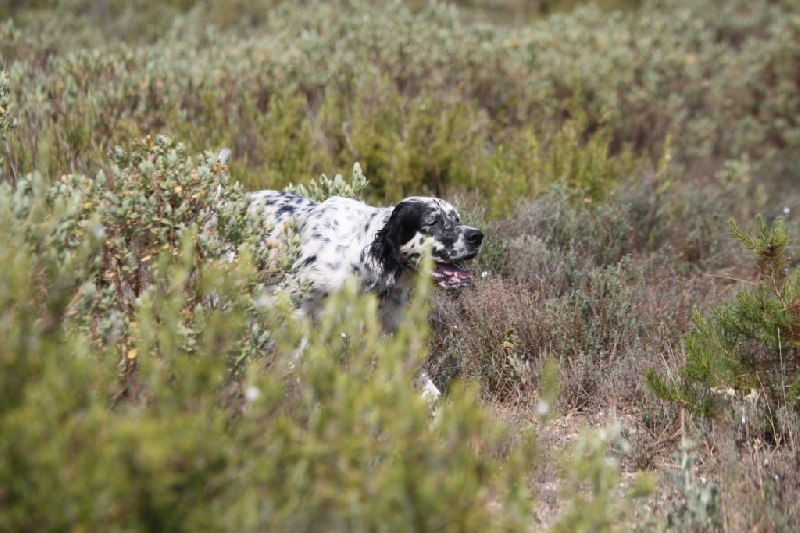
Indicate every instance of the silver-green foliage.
{"type": "Point", "coordinates": [328, 187]}
{"type": "Point", "coordinates": [699, 508]}
{"type": "Point", "coordinates": [592, 484]}
{"type": "Point", "coordinates": [153, 200]}
{"type": "Point", "coordinates": [439, 104]}
{"type": "Point", "coordinates": [145, 384]}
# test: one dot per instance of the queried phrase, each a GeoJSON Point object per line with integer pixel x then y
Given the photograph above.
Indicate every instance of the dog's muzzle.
{"type": "Point", "coordinates": [454, 275]}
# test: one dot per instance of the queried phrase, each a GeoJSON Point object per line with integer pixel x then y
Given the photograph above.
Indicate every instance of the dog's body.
{"type": "Point", "coordinates": [380, 247]}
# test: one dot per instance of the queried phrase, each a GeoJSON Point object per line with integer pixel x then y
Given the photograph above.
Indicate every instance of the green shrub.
{"type": "Point", "coordinates": [154, 199]}
{"type": "Point", "coordinates": [341, 440]}
{"type": "Point", "coordinates": [746, 344]}
{"type": "Point", "coordinates": [530, 161]}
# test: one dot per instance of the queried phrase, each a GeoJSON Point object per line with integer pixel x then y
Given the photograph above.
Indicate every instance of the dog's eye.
{"type": "Point", "coordinates": [434, 219]}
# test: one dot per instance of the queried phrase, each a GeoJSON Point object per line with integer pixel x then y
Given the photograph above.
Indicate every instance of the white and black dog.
{"type": "Point", "coordinates": [380, 247]}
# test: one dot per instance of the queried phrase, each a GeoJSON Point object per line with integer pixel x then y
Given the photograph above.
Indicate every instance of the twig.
{"type": "Point", "coordinates": [730, 278]}
{"type": "Point", "coordinates": [346, 133]}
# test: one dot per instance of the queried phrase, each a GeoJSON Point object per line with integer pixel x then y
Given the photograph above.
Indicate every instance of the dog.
{"type": "Point", "coordinates": [380, 247]}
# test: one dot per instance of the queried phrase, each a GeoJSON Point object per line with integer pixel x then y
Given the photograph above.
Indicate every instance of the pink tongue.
{"type": "Point", "coordinates": [453, 269]}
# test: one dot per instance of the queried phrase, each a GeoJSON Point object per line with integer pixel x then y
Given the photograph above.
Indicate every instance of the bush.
{"type": "Point", "coordinates": [747, 346]}
{"type": "Point", "coordinates": [585, 281]}
{"type": "Point", "coordinates": [169, 395]}
{"type": "Point", "coordinates": [155, 201]}
{"type": "Point", "coordinates": [442, 105]}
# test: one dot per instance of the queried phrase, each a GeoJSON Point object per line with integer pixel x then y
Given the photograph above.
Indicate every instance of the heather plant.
{"type": "Point", "coordinates": [501, 333]}
{"type": "Point", "coordinates": [566, 277]}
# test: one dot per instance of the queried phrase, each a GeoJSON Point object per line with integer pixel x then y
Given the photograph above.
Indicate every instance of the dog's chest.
{"type": "Point", "coordinates": [405, 281]}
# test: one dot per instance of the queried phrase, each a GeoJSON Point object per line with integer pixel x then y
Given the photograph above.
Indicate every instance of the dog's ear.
{"type": "Point", "coordinates": [386, 246]}
{"type": "Point", "coordinates": [403, 224]}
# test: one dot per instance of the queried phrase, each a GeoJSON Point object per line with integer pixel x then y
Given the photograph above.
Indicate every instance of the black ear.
{"type": "Point", "coordinates": [402, 225]}
{"type": "Point", "coordinates": [386, 246]}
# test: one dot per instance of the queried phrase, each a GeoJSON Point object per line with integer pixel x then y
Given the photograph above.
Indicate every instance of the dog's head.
{"type": "Point", "coordinates": [417, 220]}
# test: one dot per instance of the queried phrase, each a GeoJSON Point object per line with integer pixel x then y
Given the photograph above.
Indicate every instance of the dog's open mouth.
{"type": "Point", "coordinates": [451, 275]}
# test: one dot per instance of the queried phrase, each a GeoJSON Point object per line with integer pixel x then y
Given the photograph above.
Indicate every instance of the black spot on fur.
{"type": "Point", "coordinates": [307, 261]}
{"type": "Point", "coordinates": [284, 210]}
{"type": "Point", "coordinates": [447, 239]}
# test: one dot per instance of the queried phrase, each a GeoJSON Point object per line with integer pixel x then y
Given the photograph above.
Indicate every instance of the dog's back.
{"type": "Point", "coordinates": [337, 237]}
{"type": "Point", "coordinates": [281, 207]}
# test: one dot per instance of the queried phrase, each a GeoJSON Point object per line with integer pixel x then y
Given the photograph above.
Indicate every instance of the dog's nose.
{"type": "Point", "coordinates": [474, 236]}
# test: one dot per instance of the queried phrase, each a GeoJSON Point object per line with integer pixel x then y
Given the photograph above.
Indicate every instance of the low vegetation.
{"type": "Point", "coordinates": [632, 167]}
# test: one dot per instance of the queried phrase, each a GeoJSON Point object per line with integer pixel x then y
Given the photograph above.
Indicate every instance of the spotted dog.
{"type": "Point", "coordinates": [380, 247]}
